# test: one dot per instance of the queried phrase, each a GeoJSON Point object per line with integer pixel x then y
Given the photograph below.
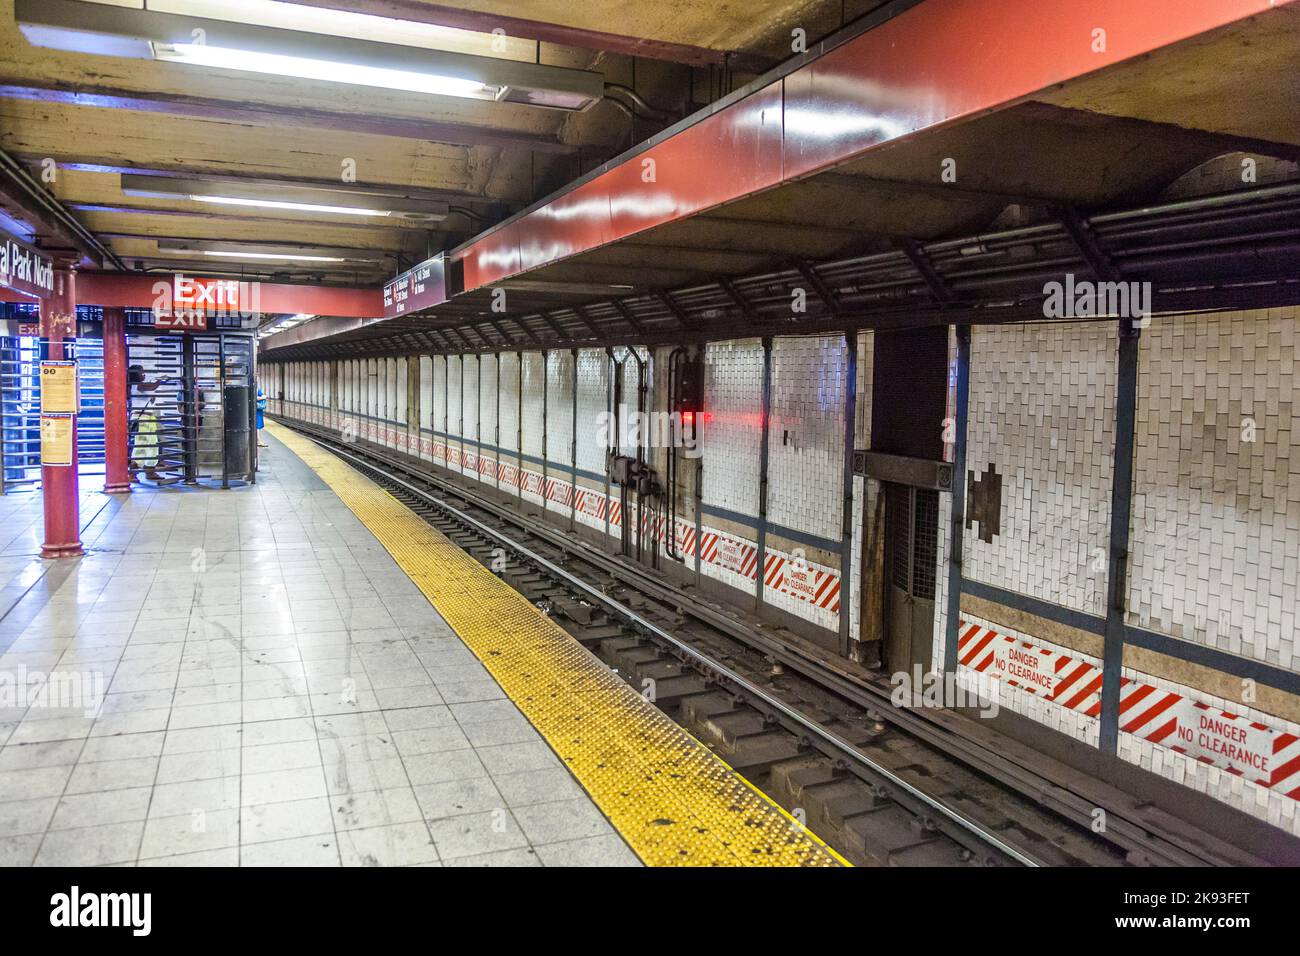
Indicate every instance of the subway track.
{"type": "Point", "coordinates": [882, 785]}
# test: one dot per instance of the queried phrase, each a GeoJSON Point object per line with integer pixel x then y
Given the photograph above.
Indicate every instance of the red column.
{"type": "Point", "coordinates": [117, 398]}
{"type": "Point", "coordinates": [59, 483]}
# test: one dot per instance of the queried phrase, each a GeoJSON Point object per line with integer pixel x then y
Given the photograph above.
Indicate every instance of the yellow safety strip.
{"type": "Point", "coordinates": [673, 801]}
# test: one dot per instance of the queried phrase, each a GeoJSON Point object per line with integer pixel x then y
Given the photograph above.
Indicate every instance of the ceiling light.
{"type": "Point", "coordinates": [305, 68]}
{"type": "Point", "coordinates": [299, 206]}
{"type": "Point", "coordinates": [265, 251]}
{"type": "Point", "coordinates": [346, 23]}
{"type": "Point", "coordinates": [272, 255]}
{"type": "Point", "coordinates": [87, 27]}
{"type": "Point", "coordinates": [346, 201]}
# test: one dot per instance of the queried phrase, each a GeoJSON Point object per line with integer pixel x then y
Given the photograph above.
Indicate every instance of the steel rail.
{"type": "Point", "coordinates": [939, 731]}
{"type": "Point", "coordinates": [842, 747]}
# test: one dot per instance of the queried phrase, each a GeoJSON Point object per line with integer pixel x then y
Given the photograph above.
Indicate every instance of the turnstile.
{"type": "Point", "coordinates": [20, 407]}
{"type": "Point", "coordinates": [181, 387]}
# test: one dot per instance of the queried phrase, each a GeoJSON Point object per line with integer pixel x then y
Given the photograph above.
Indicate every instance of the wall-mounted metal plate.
{"type": "Point", "coordinates": [914, 472]}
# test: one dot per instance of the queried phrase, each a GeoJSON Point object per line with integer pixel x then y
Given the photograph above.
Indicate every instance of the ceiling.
{"type": "Point", "coordinates": [1145, 130]}
{"type": "Point", "coordinates": [78, 121]}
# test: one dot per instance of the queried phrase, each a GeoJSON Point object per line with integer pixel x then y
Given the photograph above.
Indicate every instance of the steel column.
{"type": "Point", "coordinates": [846, 516]}
{"type": "Point", "coordinates": [496, 430]}
{"type": "Point", "coordinates": [611, 369]}
{"type": "Point", "coordinates": [762, 470]}
{"type": "Point", "coordinates": [478, 416]}
{"type": "Point", "coordinates": [701, 354]}
{"type": "Point", "coordinates": [414, 403]}
{"type": "Point", "coordinates": [117, 477]}
{"type": "Point", "coordinates": [1121, 508]}
{"type": "Point", "coordinates": [59, 491]}
{"type": "Point", "coordinates": [460, 423]}
{"type": "Point", "coordinates": [958, 523]}
{"type": "Point", "coordinates": [519, 430]}
{"type": "Point", "coordinates": [546, 401]}
{"type": "Point", "coordinates": [573, 448]}
{"type": "Point", "coordinates": [221, 384]}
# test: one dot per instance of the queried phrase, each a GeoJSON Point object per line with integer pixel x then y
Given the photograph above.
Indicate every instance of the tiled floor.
{"type": "Point", "coordinates": [271, 689]}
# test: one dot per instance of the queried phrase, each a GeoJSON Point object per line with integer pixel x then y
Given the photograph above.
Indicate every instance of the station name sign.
{"type": "Point", "coordinates": [416, 289]}
{"type": "Point", "coordinates": [25, 269]}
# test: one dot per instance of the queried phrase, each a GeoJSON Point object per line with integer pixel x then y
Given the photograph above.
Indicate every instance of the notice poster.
{"type": "Point", "coordinates": [56, 440]}
{"type": "Point", "coordinates": [59, 388]}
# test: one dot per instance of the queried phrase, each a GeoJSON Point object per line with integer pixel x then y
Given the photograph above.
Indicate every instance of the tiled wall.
{"type": "Point", "coordinates": [733, 429]}
{"type": "Point", "coordinates": [806, 448]}
{"type": "Point", "coordinates": [487, 417]}
{"type": "Point", "coordinates": [1214, 554]}
{"type": "Point", "coordinates": [534, 368]}
{"type": "Point", "coordinates": [440, 363]}
{"type": "Point", "coordinates": [398, 373]}
{"type": "Point", "coordinates": [593, 377]}
{"type": "Point", "coordinates": [1216, 508]}
{"type": "Point", "coordinates": [372, 388]}
{"type": "Point", "coordinates": [469, 416]}
{"type": "Point", "coordinates": [426, 393]}
{"type": "Point", "coordinates": [806, 475]}
{"type": "Point", "coordinates": [455, 413]}
{"type": "Point", "coordinates": [559, 429]}
{"type": "Point", "coordinates": [1042, 412]}
{"type": "Point", "coordinates": [732, 443]}
{"type": "Point", "coordinates": [508, 379]}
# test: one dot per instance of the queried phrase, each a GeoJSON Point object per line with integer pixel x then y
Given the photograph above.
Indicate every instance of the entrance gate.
{"type": "Point", "coordinates": [20, 407]}
{"type": "Point", "coordinates": [191, 409]}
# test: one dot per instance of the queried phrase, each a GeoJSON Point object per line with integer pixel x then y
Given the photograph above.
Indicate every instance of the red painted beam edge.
{"type": "Point", "coordinates": [934, 64]}
{"type": "Point", "coordinates": [142, 291]}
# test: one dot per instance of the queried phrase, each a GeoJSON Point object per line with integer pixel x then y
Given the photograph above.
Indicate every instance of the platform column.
{"type": "Point", "coordinates": [117, 478]}
{"type": "Point", "coordinates": [956, 543]}
{"type": "Point", "coordinates": [59, 482]}
{"type": "Point", "coordinates": [1121, 510]}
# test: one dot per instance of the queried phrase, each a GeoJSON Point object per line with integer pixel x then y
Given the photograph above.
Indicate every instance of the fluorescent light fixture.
{"type": "Point", "coordinates": [564, 288]}
{"type": "Point", "coordinates": [286, 257]}
{"type": "Point", "coordinates": [267, 252]}
{"type": "Point", "coordinates": [355, 201]}
{"type": "Point", "coordinates": [281, 324]}
{"type": "Point", "coordinates": [86, 27]}
{"type": "Point", "coordinates": [347, 23]}
{"type": "Point", "coordinates": [305, 68]}
{"type": "Point", "coordinates": [297, 206]}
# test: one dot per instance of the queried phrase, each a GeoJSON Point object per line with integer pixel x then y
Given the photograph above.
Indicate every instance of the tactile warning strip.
{"type": "Point", "coordinates": [673, 801]}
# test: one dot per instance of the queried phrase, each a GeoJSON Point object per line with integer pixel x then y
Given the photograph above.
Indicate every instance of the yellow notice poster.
{"type": "Point", "coordinates": [56, 439]}
{"type": "Point", "coordinates": [59, 387]}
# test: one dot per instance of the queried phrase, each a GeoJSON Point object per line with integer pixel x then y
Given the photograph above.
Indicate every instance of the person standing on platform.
{"type": "Point", "coordinates": [261, 408]}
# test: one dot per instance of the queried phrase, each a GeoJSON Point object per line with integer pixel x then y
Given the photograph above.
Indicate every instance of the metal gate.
{"type": "Point", "coordinates": [181, 388]}
{"type": "Point", "coordinates": [911, 549]}
{"type": "Point", "coordinates": [20, 407]}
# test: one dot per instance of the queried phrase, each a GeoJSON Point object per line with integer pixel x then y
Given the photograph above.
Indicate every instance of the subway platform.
{"type": "Point", "coordinates": [252, 678]}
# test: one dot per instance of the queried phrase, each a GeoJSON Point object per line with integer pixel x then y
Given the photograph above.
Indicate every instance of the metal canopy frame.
{"type": "Point", "coordinates": [1228, 251]}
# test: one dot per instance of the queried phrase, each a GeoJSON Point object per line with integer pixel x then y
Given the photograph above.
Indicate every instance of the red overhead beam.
{"type": "Point", "coordinates": [134, 291]}
{"type": "Point", "coordinates": [932, 65]}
